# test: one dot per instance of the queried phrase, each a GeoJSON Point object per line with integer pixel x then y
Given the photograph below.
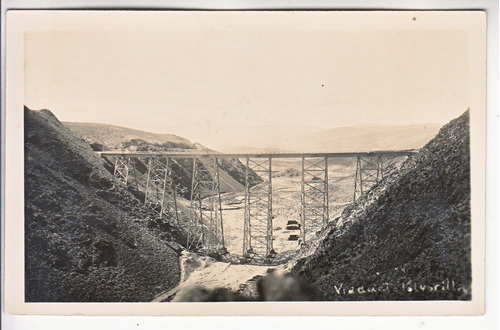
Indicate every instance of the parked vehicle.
{"type": "Point", "coordinates": [292, 225]}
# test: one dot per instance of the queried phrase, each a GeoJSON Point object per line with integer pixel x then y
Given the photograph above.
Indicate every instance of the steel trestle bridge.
{"type": "Point", "coordinates": [205, 229]}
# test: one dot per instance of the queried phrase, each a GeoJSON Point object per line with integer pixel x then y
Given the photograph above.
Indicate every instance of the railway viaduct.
{"type": "Point", "coordinates": [205, 228]}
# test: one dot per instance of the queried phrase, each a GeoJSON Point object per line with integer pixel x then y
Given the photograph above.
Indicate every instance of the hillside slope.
{"type": "Point", "coordinates": [86, 237]}
{"type": "Point", "coordinates": [409, 238]}
{"type": "Point", "coordinates": [109, 137]}
{"type": "Point", "coordinates": [114, 137]}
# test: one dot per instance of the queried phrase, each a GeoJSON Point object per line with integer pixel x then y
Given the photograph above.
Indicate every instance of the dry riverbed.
{"type": "Point", "coordinates": [205, 271]}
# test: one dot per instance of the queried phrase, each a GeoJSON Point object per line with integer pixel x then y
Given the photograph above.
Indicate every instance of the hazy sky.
{"type": "Point", "coordinates": [239, 71]}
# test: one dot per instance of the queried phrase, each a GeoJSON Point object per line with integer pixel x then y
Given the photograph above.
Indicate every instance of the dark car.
{"type": "Point", "coordinates": [292, 225]}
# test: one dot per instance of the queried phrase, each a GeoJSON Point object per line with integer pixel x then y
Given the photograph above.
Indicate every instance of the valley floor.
{"type": "Point", "coordinates": [211, 274]}
{"type": "Point", "coordinates": [206, 272]}
{"type": "Point", "coordinates": [286, 207]}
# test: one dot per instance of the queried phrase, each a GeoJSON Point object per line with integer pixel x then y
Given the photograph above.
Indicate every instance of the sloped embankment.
{"type": "Point", "coordinates": [109, 137]}
{"type": "Point", "coordinates": [409, 238]}
{"type": "Point", "coordinates": [86, 237]}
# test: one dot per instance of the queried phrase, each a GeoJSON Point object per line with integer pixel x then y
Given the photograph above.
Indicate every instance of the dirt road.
{"type": "Point", "coordinates": [211, 274]}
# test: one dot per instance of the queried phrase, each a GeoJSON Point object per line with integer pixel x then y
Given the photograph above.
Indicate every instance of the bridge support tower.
{"type": "Point", "coordinates": [160, 193]}
{"type": "Point", "coordinates": [206, 228]}
{"type": "Point", "coordinates": [122, 166]}
{"type": "Point", "coordinates": [314, 197]}
{"type": "Point", "coordinates": [258, 225]}
{"type": "Point", "coordinates": [369, 172]}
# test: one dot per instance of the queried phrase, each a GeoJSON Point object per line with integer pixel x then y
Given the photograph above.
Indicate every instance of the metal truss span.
{"type": "Point", "coordinates": [258, 225]}
{"type": "Point", "coordinates": [314, 197]}
{"type": "Point", "coordinates": [190, 155]}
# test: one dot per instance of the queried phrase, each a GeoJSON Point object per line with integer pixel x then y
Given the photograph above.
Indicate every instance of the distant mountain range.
{"type": "Point", "coordinates": [233, 138]}
{"type": "Point", "coordinates": [369, 138]}
{"type": "Point", "coordinates": [252, 150]}
{"type": "Point", "coordinates": [267, 138]}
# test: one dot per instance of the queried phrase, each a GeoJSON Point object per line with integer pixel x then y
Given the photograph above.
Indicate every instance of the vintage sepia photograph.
{"type": "Point", "coordinates": [247, 157]}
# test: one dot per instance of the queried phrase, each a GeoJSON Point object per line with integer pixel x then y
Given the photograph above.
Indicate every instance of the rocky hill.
{"type": "Point", "coordinates": [109, 137]}
{"type": "Point", "coordinates": [86, 237]}
{"type": "Point", "coordinates": [116, 137]}
{"type": "Point", "coordinates": [409, 237]}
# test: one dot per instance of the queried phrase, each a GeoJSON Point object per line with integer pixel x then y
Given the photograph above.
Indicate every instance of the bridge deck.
{"type": "Point", "coordinates": [146, 154]}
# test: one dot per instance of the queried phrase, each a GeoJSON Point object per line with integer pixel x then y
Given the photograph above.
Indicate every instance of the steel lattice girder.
{"type": "Point", "coordinates": [160, 193]}
{"type": "Point", "coordinates": [216, 227]}
{"type": "Point", "coordinates": [314, 196]}
{"type": "Point", "coordinates": [258, 225]}
{"type": "Point", "coordinates": [122, 165]}
{"type": "Point", "coordinates": [369, 172]}
{"type": "Point", "coordinates": [206, 225]}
